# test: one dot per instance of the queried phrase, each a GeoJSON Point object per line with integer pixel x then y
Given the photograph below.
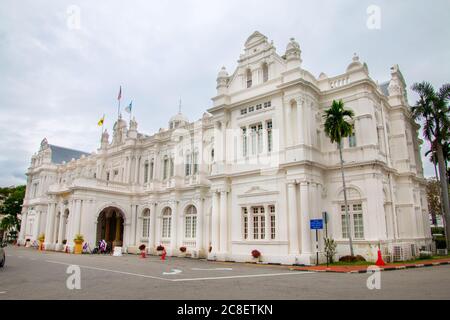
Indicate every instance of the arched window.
{"type": "Point", "coordinates": [249, 78]}
{"type": "Point", "coordinates": [190, 222]}
{"type": "Point", "coordinates": [146, 223]}
{"type": "Point", "coordinates": [355, 211]}
{"type": "Point", "coordinates": [166, 222]}
{"type": "Point", "coordinates": [265, 71]}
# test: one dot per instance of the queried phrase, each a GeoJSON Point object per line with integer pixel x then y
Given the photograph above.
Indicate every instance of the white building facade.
{"type": "Point", "coordinates": [250, 174]}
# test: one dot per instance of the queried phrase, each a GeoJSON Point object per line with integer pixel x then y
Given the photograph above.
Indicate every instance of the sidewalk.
{"type": "Point", "coordinates": [363, 268]}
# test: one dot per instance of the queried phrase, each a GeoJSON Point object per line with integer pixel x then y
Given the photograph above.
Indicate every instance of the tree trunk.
{"type": "Point", "coordinates": [433, 214]}
{"type": "Point", "coordinates": [444, 189]}
{"type": "Point", "coordinates": [347, 215]}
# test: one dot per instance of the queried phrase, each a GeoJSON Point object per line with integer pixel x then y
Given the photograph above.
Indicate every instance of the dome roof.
{"type": "Point", "coordinates": [179, 117]}
{"type": "Point", "coordinates": [178, 120]}
{"type": "Point", "coordinates": [121, 123]}
{"type": "Point", "coordinates": [355, 64]}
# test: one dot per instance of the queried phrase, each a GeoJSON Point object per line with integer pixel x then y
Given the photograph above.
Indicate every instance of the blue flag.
{"type": "Point", "coordinates": [128, 109]}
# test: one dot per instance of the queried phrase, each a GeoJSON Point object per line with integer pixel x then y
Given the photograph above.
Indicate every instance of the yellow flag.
{"type": "Point", "coordinates": [100, 122]}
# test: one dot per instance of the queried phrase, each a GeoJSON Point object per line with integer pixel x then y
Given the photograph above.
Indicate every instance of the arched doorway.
{"type": "Point", "coordinates": [110, 226]}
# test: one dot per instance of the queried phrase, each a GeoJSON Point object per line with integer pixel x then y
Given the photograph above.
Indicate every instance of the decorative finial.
{"type": "Point", "coordinates": [179, 107]}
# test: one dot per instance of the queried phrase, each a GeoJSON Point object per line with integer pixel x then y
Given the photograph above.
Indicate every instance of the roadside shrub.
{"type": "Point", "coordinates": [352, 258]}
{"type": "Point", "coordinates": [330, 249]}
{"type": "Point", "coordinates": [160, 248]}
{"type": "Point", "coordinates": [256, 254]}
{"type": "Point", "coordinates": [183, 249]}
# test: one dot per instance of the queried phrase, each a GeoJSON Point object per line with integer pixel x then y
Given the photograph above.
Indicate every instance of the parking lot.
{"type": "Point", "coordinates": [30, 274]}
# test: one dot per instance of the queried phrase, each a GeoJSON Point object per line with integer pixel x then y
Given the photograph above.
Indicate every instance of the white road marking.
{"type": "Point", "coordinates": [174, 272]}
{"type": "Point", "coordinates": [110, 270]}
{"type": "Point", "coordinates": [245, 276]}
{"type": "Point", "coordinates": [212, 269]}
{"type": "Point", "coordinates": [187, 279]}
{"type": "Point", "coordinates": [19, 257]}
{"type": "Point", "coordinates": [2, 292]}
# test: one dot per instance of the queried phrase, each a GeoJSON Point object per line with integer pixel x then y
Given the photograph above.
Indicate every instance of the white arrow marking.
{"type": "Point", "coordinates": [174, 271]}
{"type": "Point", "coordinates": [213, 269]}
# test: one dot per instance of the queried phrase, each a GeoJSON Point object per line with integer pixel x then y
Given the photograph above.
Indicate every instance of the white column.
{"type": "Point", "coordinates": [55, 224]}
{"type": "Point", "coordinates": [199, 240]}
{"type": "Point", "coordinates": [152, 226]}
{"type": "Point", "coordinates": [49, 223]}
{"type": "Point", "coordinates": [223, 221]}
{"type": "Point", "coordinates": [173, 233]}
{"type": "Point", "coordinates": [293, 220]}
{"type": "Point", "coordinates": [288, 132]}
{"type": "Point", "coordinates": [136, 171]}
{"type": "Point", "coordinates": [38, 223]}
{"type": "Point", "coordinates": [304, 210]}
{"type": "Point", "coordinates": [267, 222]}
{"type": "Point", "coordinates": [250, 223]}
{"type": "Point", "coordinates": [23, 226]}
{"type": "Point", "coordinates": [301, 123]}
{"type": "Point", "coordinates": [215, 222]}
{"type": "Point", "coordinates": [133, 226]}
{"type": "Point", "coordinates": [62, 221]}
{"type": "Point", "coordinates": [77, 217]}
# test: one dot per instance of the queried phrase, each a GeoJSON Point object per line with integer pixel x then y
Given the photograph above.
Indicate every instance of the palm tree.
{"type": "Point", "coordinates": [336, 128]}
{"type": "Point", "coordinates": [432, 108]}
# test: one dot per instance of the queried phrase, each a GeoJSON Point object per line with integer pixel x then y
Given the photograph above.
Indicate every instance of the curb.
{"type": "Point", "coordinates": [388, 268]}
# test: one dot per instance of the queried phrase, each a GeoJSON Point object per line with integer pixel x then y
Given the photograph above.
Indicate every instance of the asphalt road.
{"type": "Point", "coordinates": [30, 274]}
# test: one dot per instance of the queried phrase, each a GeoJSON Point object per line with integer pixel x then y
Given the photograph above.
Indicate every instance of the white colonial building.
{"type": "Point", "coordinates": [250, 174]}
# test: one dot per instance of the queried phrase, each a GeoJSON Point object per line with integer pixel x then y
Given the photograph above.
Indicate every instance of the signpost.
{"type": "Point", "coordinates": [316, 224]}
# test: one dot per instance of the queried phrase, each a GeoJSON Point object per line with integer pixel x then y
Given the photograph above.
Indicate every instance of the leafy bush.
{"type": "Point", "coordinates": [160, 248]}
{"type": "Point", "coordinates": [256, 254]}
{"type": "Point", "coordinates": [183, 249]}
{"type": "Point", "coordinates": [78, 237]}
{"type": "Point", "coordinates": [330, 249]}
{"type": "Point", "coordinates": [352, 258]}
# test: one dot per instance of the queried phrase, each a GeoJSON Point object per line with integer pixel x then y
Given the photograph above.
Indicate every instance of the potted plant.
{"type": "Point", "coordinates": [159, 249]}
{"type": "Point", "coordinates": [79, 239]}
{"type": "Point", "coordinates": [142, 249]}
{"type": "Point", "coordinates": [41, 240]}
{"type": "Point", "coordinates": [256, 255]}
{"type": "Point", "coordinates": [183, 250]}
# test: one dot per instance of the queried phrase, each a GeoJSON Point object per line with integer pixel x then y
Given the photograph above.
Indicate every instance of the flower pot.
{"type": "Point", "coordinates": [78, 247]}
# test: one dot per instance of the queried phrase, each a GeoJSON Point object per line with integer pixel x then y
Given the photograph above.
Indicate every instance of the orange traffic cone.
{"type": "Point", "coordinates": [163, 256]}
{"type": "Point", "coordinates": [380, 261]}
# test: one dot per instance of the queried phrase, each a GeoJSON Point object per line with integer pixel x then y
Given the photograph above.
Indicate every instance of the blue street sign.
{"type": "Point", "coordinates": [316, 224]}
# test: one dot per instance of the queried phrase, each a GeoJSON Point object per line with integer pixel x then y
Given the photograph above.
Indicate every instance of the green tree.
{"type": "Point", "coordinates": [433, 111]}
{"type": "Point", "coordinates": [336, 128]}
{"type": "Point", "coordinates": [434, 198]}
{"type": "Point", "coordinates": [11, 206]}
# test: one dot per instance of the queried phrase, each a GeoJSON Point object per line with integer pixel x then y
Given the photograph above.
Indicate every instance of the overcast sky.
{"type": "Point", "coordinates": [56, 80]}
